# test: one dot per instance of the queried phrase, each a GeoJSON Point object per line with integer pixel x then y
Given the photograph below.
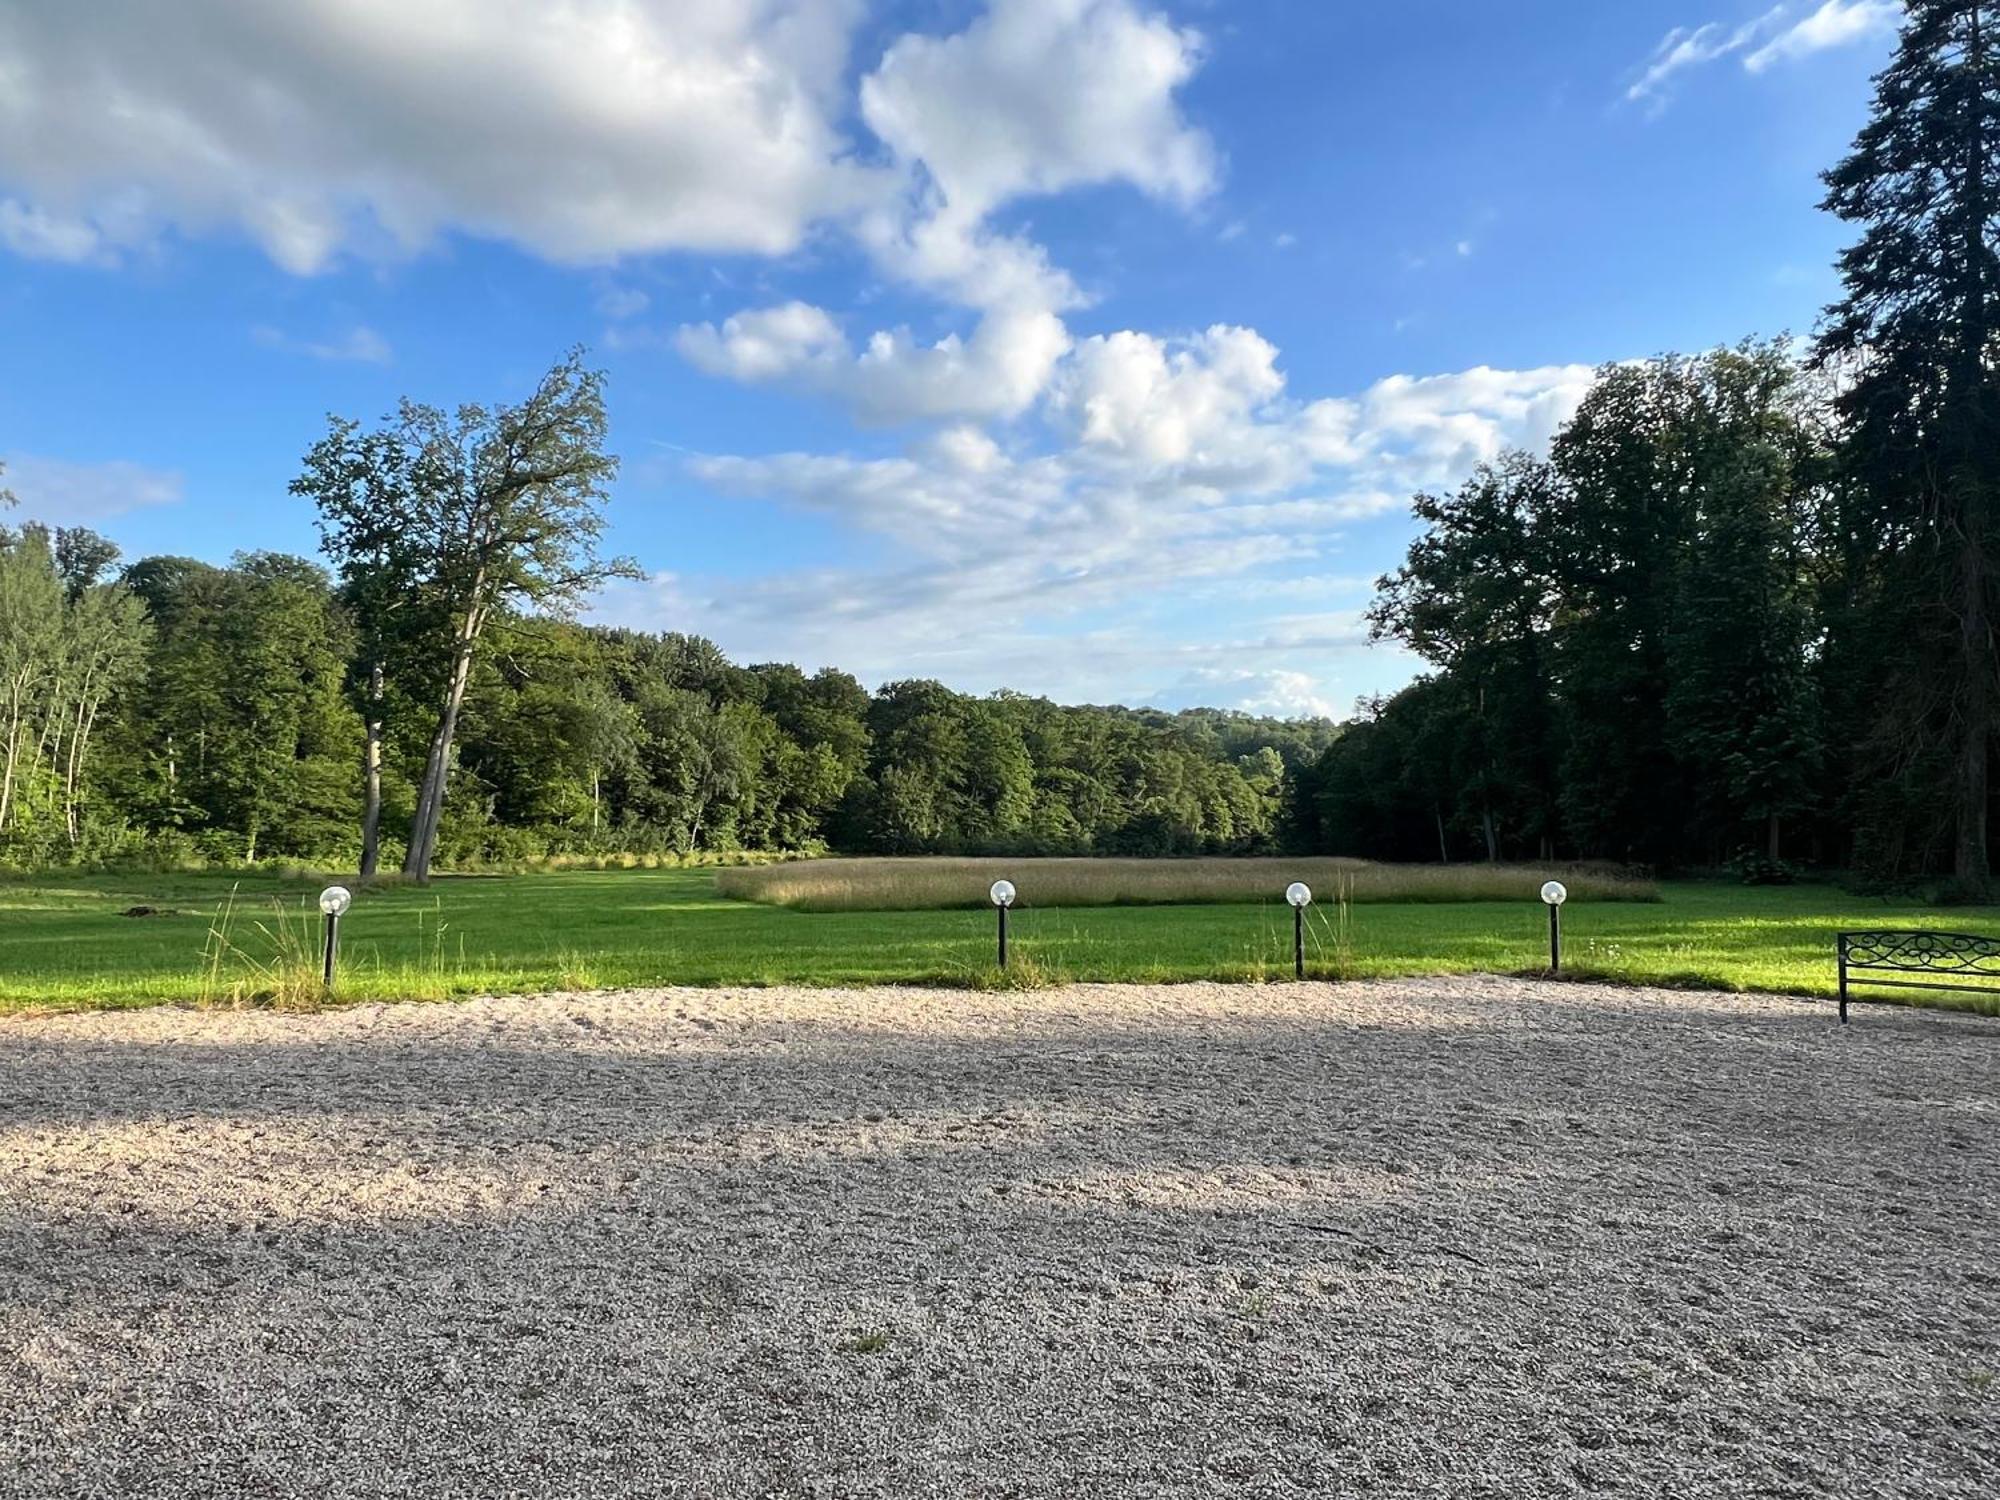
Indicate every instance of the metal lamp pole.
{"type": "Point", "coordinates": [333, 903]}
{"type": "Point", "coordinates": [1299, 895]}
{"type": "Point", "coordinates": [1553, 895]}
{"type": "Point", "coordinates": [1002, 897]}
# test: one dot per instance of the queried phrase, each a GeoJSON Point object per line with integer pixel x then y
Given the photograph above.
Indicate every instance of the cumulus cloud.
{"type": "Point", "coordinates": [1174, 475]}
{"type": "Point", "coordinates": [764, 344]}
{"type": "Point", "coordinates": [1784, 33]}
{"type": "Point", "coordinates": [997, 372]}
{"type": "Point", "coordinates": [1278, 693]}
{"type": "Point", "coordinates": [1162, 403]}
{"type": "Point", "coordinates": [62, 493]}
{"type": "Point", "coordinates": [1039, 96]}
{"type": "Point", "coordinates": [582, 132]}
{"type": "Point", "coordinates": [1033, 97]}
{"type": "Point", "coordinates": [602, 129]}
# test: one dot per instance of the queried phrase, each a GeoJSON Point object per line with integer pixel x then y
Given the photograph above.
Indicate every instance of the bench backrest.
{"type": "Point", "coordinates": [1922, 952]}
{"type": "Point", "coordinates": [1949, 956]}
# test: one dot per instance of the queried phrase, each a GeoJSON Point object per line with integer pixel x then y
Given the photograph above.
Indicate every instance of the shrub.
{"type": "Point", "coordinates": [1753, 867]}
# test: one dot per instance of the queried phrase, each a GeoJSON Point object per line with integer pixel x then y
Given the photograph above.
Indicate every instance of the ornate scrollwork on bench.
{"type": "Point", "coordinates": [1961, 955]}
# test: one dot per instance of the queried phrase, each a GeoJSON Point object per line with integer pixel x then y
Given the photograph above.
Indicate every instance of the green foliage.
{"type": "Point", "coordinates": [1754, 867]}
{"type": "Point", "coordinates": [234, 733]}
{"type": "Point", "coordinates": [238, 732]}
{"type": "Point", "coordinates": [442, 523]}
{"type": "Point", "coordinates": [69, 645]}
{"type": "Point", "coordinates": [1626, 636]}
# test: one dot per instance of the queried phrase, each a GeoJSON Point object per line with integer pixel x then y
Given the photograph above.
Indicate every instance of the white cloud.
{"type": "Point", "coordinates": [1780, 34]}
{"type": "Point", "coordinates": [62, 493]}
{"type": "Point", "coordinates": [1161, 403]}
{"type": "Point", "coordinates": [1179, 478]}
{"type": "Point", "coordinates": [582, 132]}
{"type": "Point", "coordinates": [997, 372]}
{"type": "Point", "coordinates": [1835, 24]}
{"type": "Point", "coordinates": [1033, 97]}
{"type": "Point", "coordinates": [769, 343]}
{"type": "Point", "coordinates": [1683, 48]}
{"type": "Point", "coordinates": [601, 129]}
{"type": "Point", "coordinates": [358, 345]}
{"type": "Point", "coordinates": [1280, 694]}
{"type": "Point", "coordinates": [36, 234]}
{"type": "Point", "coordinates": [1038, 96]}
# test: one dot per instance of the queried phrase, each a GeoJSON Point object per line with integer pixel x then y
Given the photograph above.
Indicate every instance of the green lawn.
{"type": "Point", "coordinates": [64, 940]}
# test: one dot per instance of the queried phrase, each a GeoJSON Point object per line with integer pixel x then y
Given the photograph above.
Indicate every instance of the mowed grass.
{"type": "Point", "coordinates": [64, 942]}
{"type": "Point", "coordinates": [939, 884]}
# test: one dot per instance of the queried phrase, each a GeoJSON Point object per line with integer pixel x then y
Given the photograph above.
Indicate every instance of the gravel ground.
{"type": "Point", "coordinates": [1438, 1238]}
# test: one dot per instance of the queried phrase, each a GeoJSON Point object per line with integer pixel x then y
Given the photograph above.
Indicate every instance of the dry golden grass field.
{"type": "Point", "coordinates": [927, 884]}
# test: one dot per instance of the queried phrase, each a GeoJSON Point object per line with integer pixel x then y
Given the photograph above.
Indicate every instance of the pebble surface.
{"type": "Point", "coordinates": [1464, 1238]}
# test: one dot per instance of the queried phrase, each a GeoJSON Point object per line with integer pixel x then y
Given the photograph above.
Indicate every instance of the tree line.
{"type": "Point", "coordinates": [176, 709]}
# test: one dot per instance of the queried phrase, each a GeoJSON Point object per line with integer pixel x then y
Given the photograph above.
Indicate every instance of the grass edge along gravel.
{"type": "Point", "coordinates": [68, 943]}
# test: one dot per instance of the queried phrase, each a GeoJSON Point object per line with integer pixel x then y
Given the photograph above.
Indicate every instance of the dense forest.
{"type": "Point", "coordinates": [177, 710]}
{"type": "Point", "coordinates": [1658, 643]}
{"type": "Point", "coordinates": [1741, 609]}
{"type": "Point", "coordinates": [1744, 607]}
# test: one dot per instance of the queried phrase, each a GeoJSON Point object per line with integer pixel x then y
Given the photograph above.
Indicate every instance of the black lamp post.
{"type": "Point", "coordinates": [1299, 895]}
{"type": "Point", "coordinates": [1554, 894]}
{"type": "Point", "coordinates": [333, 901]}
{"type": "Point", "coordinates": [1002, 897]}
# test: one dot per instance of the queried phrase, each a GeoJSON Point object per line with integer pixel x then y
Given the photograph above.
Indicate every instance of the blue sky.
{"type": "Point", "coordinates": [1086, 347]}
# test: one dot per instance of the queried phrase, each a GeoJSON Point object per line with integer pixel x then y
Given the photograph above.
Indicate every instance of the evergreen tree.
{"type": "Point", "coordinates": [1915, 333]}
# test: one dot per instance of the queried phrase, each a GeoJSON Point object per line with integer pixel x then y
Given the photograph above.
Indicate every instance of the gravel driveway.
{"type": "Point", "coordinates": [1438, 1238]}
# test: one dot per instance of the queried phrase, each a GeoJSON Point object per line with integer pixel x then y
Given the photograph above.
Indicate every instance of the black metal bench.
{"type": "Point", "coordinates": [1952, 954]}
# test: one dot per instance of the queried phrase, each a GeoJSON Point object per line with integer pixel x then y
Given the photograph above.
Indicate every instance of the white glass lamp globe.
{"type": "Point", "coordinates": [1298, 893]}
{"type": "Point", "coordinates": [1002, 893]}
{"type": "Point", "coordinates": [1555, 893]}
{"type": "Point", "coordinates": [335, 900]}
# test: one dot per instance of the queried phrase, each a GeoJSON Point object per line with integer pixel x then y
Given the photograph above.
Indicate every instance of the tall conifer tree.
{"type": "Point", "coordinates": [1917, 327]}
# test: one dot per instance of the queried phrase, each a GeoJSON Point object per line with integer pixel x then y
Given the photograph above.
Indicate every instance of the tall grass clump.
{"type": "Point", "coordinates": [262, 960]}
{"type": "Point", "coordinates": [928, 884]}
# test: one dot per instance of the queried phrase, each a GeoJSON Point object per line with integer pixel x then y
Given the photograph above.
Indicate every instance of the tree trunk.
{"type": "Point", "coordinates": [1492, 837]}
{"type": "Point", "coordinates": [437, 767]}
{"type": "Point", "coordinates": [1970, 863]}
{"type": "Point", "coordinates": [1444, 850]}
{"type": "Point", "coordinates": [73, 777]}
{"type": "Point", "coordinates": [13, 753]}
{"type": "Point", "coordinates": [371, 777]}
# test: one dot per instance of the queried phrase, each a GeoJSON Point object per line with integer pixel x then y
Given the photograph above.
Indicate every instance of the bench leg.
{"type": "Point", "coordinates": [1843, 989]}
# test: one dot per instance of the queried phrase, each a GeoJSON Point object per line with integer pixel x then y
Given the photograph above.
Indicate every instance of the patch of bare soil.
{"type": "Point", "coordinates": [1440, 1238]}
